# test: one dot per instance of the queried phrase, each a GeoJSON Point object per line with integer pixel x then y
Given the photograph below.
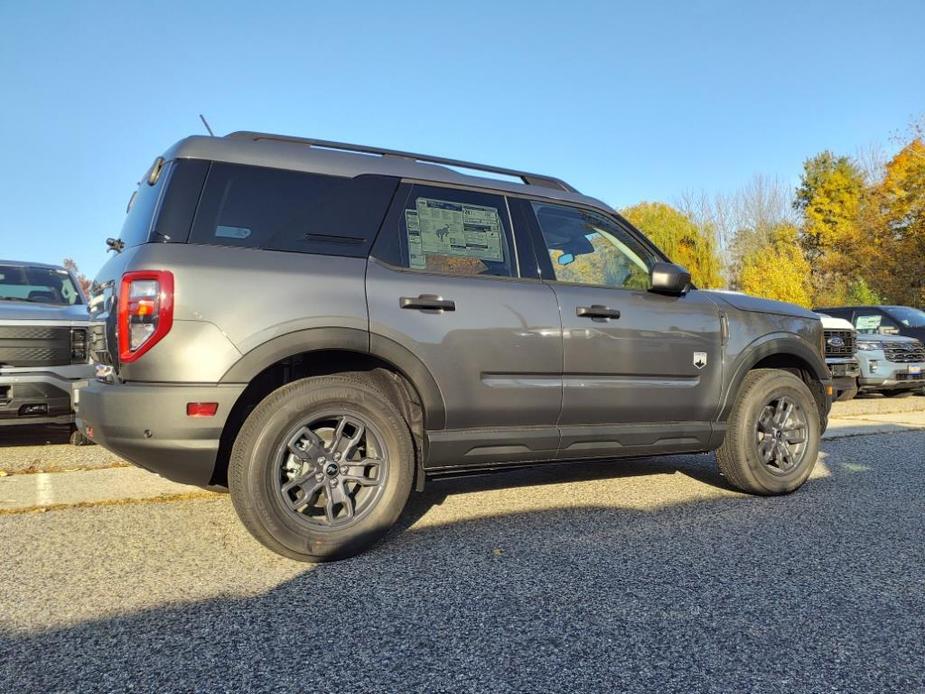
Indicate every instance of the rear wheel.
{"type": "Point", "coordinates": [322, 468]}
{"type": "Point", "coordinates": [772, 436]}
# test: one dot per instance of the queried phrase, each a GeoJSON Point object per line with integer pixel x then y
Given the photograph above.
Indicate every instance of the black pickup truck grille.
{"type": "Point", "coordinates": [839, 343]}
{"type": "Point", "coordinates": [25, 345]}
{"type": "Point", "coordinates": [904, 352]}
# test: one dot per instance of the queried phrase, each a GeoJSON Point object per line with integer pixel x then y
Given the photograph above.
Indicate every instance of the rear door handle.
{"type": "Point", "coordinates": [427, 302]}
{"type": "Point", "coordinates": [597, 312]}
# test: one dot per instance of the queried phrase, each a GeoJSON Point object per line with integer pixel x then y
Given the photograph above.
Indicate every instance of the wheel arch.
{"type": "Point", "coordinates": [784, 351]}
{"type": "Point", "coordinates": [324, 351]}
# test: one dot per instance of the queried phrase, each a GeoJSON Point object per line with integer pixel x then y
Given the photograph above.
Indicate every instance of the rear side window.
{"type": "Point", "coordinates": [142, 206]}
{"type": "Point", "coordinates": [275, 209]}
{"type": "Point", "coordinates": [452, 231]}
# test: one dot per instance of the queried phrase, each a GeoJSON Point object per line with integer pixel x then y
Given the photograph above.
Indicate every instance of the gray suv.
{"type": "Point", "coordinates": [319, 327]}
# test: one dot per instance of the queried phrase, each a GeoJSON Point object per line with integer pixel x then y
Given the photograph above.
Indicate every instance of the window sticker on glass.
{"type": "Point", "coordinates": [225, 232]}
{"type": "Point", "coordinates": [455, 229]}
{"type": "Point", "coordinates": [415, 251]}
{"type": "Point", "coordinates": [868, 322]}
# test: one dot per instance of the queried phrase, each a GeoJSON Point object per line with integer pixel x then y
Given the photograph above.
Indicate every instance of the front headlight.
{"type": "Point", "coordinates": [869, 345]}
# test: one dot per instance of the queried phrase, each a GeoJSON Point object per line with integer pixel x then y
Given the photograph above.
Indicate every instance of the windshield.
{"type": "Point", "coordinates": [909, 317]}
{"type": "Point", "coordinates": [38, 285]}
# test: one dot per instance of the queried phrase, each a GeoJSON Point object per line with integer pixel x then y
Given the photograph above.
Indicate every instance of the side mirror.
{"type": "Point", "coordinates": [668, 278]}
{"type": "Point", "coordinates": [566, 259]}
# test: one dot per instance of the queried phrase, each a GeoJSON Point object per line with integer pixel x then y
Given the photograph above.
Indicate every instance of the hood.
{"type": "Point", "coordinates": [832, 323]}
{"type": "Point", "coordinates": [745, 302]}
{"type": "Point", "coordinates": [877, 337]}
{"type": "Point", "coordinates": [915, 333]}
{"type": "Point", "coordinates": [24, 310]}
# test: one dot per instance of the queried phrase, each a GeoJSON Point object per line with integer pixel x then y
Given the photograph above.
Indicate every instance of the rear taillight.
{"type": "Point", "coordinates": [145, 311]}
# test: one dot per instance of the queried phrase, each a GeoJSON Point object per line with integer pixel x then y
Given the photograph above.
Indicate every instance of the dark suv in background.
{"type": "Point", "coordinates": [321, 326]}
{"type": "Point", "coordinates": [885, 320]}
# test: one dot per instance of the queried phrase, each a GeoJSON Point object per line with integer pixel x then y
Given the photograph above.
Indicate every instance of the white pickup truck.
{"type": "Point", "coordinates": [841, 355]}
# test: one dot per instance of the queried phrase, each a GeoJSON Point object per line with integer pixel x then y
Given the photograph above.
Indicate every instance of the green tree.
{"type": "Point", "coordinates": [681, 240]}
{"type": "Point", "coordinates": [860, 293]}
{"type": "Point", "coordinates": [778, 270]}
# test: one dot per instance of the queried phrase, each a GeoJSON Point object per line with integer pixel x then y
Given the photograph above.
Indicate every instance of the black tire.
{"type": "Point", "coordinates": [848, 394]}
{"type": "Point", "coordinates": [896, 393]}
{"type": "Point", "coordinates": [739, 458]}
{"type": "Point", "coordinates": [254, 472]}
{"type": "Point", "coordinates": [78, 439]}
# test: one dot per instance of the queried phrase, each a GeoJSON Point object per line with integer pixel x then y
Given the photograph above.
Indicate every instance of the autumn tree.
{"type": "Point", "coordinates": [898, 225]}
{"type": "Point", "coordinates": [681, 239]}
{"type": "Point", "coordinates": [829, 200]}
{"type": "Point", "coordinates": [71, 264]}
{"type": "Point", "coordinates": [743, 220]}
{"type": "Point", "coordinates": [778, 270]}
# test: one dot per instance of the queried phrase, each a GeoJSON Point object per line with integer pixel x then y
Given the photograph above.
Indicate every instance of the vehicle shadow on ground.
{"type": "Point", "coordinates": [701, 595]}
{"type": "Point", "coordinates": [699, 467]}
{"type": "Point", "coordinates": [38, 435]}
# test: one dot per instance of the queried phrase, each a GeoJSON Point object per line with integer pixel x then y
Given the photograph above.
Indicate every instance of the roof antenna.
{"type": "Point", "coordinates": [206, 123]}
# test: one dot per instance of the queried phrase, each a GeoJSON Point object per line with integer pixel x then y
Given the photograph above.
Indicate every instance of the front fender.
{"type": "Point", "coordinates": [788, 346]}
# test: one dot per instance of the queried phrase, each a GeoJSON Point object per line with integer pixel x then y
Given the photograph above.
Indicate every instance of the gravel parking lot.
{"type": "Point", "coordinates": [633, 575]}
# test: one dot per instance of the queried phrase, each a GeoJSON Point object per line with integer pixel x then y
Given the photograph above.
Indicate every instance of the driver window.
{"type": "Point", "coordinates": [587, 248]}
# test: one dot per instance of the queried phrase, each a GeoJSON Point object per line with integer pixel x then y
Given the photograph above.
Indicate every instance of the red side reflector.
{"type": "Point", "coordinates": [201, 409]}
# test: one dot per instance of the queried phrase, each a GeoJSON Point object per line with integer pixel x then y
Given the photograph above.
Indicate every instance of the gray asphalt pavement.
{"type": "Point", "coordinates": [635, 576]}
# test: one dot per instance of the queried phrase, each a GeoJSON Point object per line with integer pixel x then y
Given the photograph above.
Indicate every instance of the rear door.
{"type": "Point", "coordinates": [445, 282]}
{"type": "Point", "coordinates": [640, 369]}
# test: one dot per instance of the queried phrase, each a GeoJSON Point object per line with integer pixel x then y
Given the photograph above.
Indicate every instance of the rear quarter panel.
{"type": "Point", "coordinates": [229, 301]}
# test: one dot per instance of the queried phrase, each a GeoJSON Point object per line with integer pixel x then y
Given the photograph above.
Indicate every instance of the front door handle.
{"type": "Point", "coordinates": [597, 312]}
{"type": "Point", "coordinates": [427, 302]}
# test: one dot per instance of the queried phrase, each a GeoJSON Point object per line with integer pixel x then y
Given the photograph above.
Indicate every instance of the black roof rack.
{"type": "Point", "coordinates": [528, 178]}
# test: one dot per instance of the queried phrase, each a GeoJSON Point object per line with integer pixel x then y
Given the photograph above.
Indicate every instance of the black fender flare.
{"type": "Point", "coordinates": [349, 340]}
{"type": "Point", "coordinates": [773, 344]}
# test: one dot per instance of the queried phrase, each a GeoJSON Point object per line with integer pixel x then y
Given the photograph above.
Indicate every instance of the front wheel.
{"type": "Point", "coordinates": [322, 468]}
{"type": "Point", "coordinates": [772, 436]}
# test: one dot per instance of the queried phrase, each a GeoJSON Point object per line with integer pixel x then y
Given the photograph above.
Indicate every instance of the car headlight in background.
{"type": "Point", "coordinates": [869, 345]}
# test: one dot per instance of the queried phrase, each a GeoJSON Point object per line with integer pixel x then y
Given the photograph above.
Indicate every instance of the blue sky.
{"type": "Point", "coordinates": [627, 101]}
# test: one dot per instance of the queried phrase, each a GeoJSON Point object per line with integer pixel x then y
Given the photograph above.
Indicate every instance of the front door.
{"type": "Point", "coordinates": [444, 283]}
{"type": "Point", "coordinates": [639, 369]}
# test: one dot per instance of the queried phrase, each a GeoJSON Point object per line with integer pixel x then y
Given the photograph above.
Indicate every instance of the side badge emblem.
{"type": "Point", "coordinates": [700, 359]}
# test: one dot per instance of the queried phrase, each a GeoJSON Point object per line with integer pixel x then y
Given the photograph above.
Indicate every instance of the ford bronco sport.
{"type": "Point", "coordinates": [321, 326]}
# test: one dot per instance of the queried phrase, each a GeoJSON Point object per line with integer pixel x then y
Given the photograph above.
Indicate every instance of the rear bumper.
{"type": "Point", "coordinates": [40, 396]}
{"type": "Point", "coordinates": [147, 425]}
